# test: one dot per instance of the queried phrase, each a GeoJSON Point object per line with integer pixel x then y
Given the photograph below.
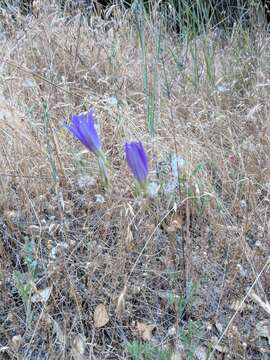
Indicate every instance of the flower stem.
{"type": "Point", "coordinates": [103, 170]}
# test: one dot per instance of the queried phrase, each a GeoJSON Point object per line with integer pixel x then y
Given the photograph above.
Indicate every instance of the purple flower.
{"type": "Point", "coordinates": [137, 160]}
{"type": "Point", "coordinates": [84, 130]}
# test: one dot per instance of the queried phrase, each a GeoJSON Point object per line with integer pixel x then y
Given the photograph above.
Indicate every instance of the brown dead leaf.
{"type": "Point", "coordinates": [101, 317]}
{"type": "Point", "coordinates": [176, 222]}
{"type": "Point", "coordinates": [145, 330]}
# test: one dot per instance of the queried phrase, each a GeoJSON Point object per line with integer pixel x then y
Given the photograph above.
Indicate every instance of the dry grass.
{"type": "Point", "coordinates": [127, 253]}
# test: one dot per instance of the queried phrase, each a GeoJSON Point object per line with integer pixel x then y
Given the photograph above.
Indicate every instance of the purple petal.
{"type": "Point", "coordinates": [137, 160]}
{"type": "Point", "coordinates": [84, 130]}
{"type": "Point", "coordinates": [129, 155]}
{"type": "Point", "coordinates": [78, 119]}
{"type": "Point", "coordinates": [143, 156]}
{"type": "Point", "coordinates": [90, 136]}
{"type": "Point", "coordinates": [90, 118]}
{"type": "Point", "coordinates": [76, 133]}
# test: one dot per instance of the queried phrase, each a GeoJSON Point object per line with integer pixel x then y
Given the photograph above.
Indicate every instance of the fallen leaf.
{"type": "Point", "coordinates": [175, 224]}
{"type": "Point", "coordinates": [101, 317]}
{"type": "Point", "coordinates": [16, 341]}
{"type": "Point", "coordinates": [79, 344]}
{"type": "Point", "coordinates": [78, 347]}
{"type": "Point", "coordinates": [145, 330]}
{"type": "Point", "coordinates": [42, 295]}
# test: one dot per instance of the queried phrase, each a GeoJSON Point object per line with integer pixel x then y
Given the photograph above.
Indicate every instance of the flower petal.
{"type": "Point", "coordinates": [143, 156]}
{"type": "Point", "coordinates": [76, 133]}
{"type": "Point", "coordinates": [90, 118]}
{"type": "Point", "coordinates": [84, 130]}
{"type": "Point", "coordinates": [137, 160]}
{"type": "Point", "coordinates": [90, 136]}
{"type": "Point", "coordinates": [78, 119]}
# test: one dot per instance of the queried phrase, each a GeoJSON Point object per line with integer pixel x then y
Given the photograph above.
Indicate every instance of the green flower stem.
{"type": "Point", "coordinates": [141, 188]}
{"type": "Point", "coordinates": [103, 169]}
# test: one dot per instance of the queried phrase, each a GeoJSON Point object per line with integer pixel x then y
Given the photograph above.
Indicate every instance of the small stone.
{"type": "Point", "coordinates": [152, 189]}
{"type": "Point", "coordinates": [99, 199]}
